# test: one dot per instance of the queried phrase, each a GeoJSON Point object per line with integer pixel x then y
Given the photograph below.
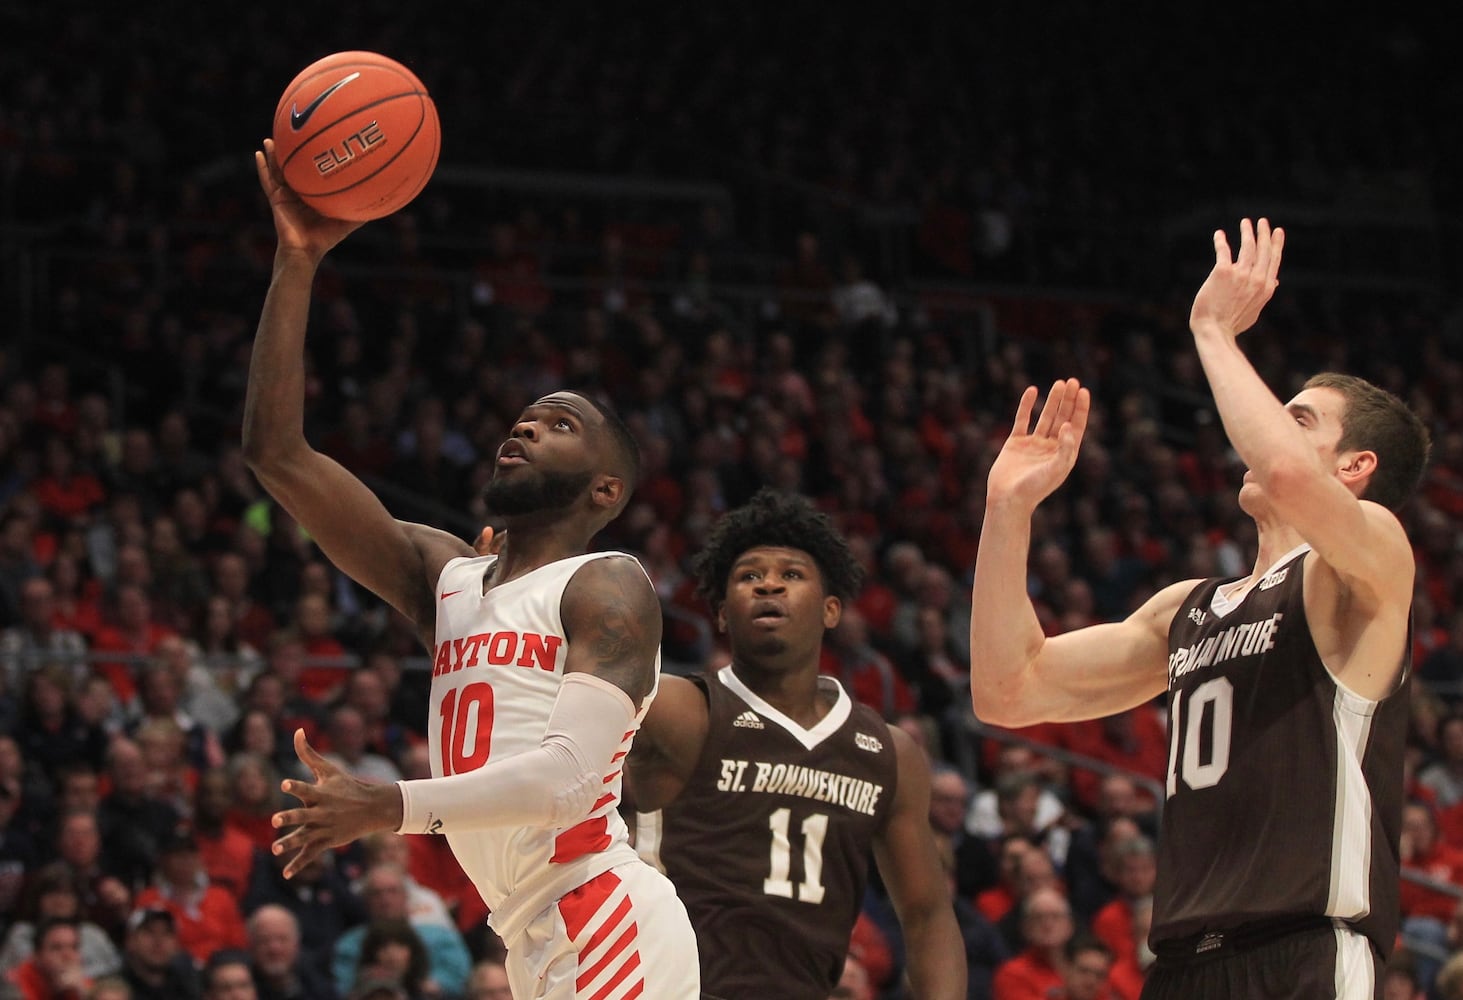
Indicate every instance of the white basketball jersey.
{"type": "Point", "coordinates": [496, 672]}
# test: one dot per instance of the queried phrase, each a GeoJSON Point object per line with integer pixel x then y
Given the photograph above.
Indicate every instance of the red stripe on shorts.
{"type": "Point", "coordinates": [632, 988]}
{"type": "Point", "coordinates": [626, 940]}
{"type": "Point", "coordinates": [579, 906]}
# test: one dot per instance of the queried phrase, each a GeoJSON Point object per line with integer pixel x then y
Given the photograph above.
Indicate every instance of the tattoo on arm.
{"type": "Point", "coordinates": [617, 634]}
{"type": "Point", "coordinates": [613, 615]}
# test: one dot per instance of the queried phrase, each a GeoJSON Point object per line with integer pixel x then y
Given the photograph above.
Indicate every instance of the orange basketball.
{"type": "Point", "coordinates": [356, 135]}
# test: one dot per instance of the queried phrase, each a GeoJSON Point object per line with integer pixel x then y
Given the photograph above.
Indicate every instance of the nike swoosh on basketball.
{"type": "Point", "coordinates": [449, 593]}
{"type": "Point", "coordinates": [298, 118]}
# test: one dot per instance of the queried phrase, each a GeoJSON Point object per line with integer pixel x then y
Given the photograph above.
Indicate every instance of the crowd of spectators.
{"type": "Point", "coordinates": [164, 627]}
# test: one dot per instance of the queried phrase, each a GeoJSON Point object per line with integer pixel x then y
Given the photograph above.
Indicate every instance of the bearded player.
{"type": "Point", "coordinates": [545, 660]}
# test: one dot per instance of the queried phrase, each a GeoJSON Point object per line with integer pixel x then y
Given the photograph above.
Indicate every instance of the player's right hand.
{"type": "Point", "coordinates": [297, 225]}
{"type": "Point", "coordinates": [1035, 460]}
{"type": "Point", "coordinates": [335, 809]}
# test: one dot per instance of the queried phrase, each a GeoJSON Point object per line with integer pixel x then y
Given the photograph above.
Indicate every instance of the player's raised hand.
{"type": "Point", "coordinates": [1230, 300]}
{"type": "Point", "coordinates": [297, 225]}
{"type": "Point", "coordinates": [1035, 460]}
{"type": "Point", "coordinates": [336, 809]}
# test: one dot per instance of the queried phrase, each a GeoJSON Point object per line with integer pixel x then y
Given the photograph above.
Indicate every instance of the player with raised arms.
{"type": "Point", "coordinates": [545, 660]}
{"type": "Point", "coordinates": [1287, 688]}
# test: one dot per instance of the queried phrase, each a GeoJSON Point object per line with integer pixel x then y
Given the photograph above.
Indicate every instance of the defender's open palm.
{"type": "Point", "coordinates": [1230, 300]}
{"type": "Point", "coordinates": [298, 226]}
{"type": "Point", "coordinates": [1035, 460]}
{"type": "Point", "coordinates": [336, 809]}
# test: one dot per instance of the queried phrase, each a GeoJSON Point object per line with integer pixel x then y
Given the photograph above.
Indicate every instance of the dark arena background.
{"type": "Point", "coordinates": [801, 245]}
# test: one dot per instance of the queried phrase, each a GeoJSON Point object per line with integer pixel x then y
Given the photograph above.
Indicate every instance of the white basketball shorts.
{"type": "Point", "coordinates": [622, 934]}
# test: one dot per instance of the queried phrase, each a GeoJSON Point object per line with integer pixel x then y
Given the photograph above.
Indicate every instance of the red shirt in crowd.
{"type": "Point", "coordinates": [1028, 976]}
{"type": "Point", "coordinates": [1113, 926]}
{"type": "Point", "coordinates": [68, 498]}
{"type": "Point", "coordinates": [1136, 740]}
{"type": "Point", "coordinates": [29, 983]}
{"type": "Point", "coordinates": [994, 903]}
{"type": "Point", "coordinates": [210, 924]}
{"type": "Point", "coordinates": [1444, 863]}
{"type": "Point", "coordinates": [1125, 981]}
{"type": "Point", "coordinates": [321, 683]}
{"type": "Point", "coordinates": [227, 858]}
{"type": "Point", "coordinates": [122, 672]}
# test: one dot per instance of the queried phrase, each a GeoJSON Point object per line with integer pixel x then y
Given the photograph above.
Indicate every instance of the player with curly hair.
{"type": "Point", "coordinates": [762, 786]}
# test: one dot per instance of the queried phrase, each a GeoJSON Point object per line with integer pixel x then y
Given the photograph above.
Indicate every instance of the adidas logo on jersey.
{"type": "Point", "coordinates": [748, 720]}
{"type": "Point", "coordinates": [1196, 616]}
{"type": "Point", "coordinates": [1274, 579]}
{"type": "Point", "coordinates": [866, 742]}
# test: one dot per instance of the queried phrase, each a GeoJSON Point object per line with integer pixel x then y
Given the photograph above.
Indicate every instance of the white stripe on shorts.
{"type": "Point", "coordinates": [1356, 972]}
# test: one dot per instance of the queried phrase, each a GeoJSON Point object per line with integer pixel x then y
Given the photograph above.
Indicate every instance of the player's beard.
{"type": "Point", "coordinates": [515, 496]}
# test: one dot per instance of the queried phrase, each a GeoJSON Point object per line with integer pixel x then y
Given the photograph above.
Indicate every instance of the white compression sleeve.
{"type": "Point", "coordinates": [553, 784]}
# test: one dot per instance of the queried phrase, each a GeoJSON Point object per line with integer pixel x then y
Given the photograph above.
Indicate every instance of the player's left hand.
{"type": "Point", "coordinates": [336, 809]}
{"type": "Point", "coordinates": [1230, 300]}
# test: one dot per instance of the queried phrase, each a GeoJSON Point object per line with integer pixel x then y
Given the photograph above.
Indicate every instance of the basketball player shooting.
{"type": "Point", "coordinates": [1278, 857]}
{"type": "Point", "coordinates": [764, 786]}
{"type": "Point", "coordinates": [545, 660]}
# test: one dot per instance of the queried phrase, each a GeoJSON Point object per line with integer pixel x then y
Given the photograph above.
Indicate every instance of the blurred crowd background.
{"type": "Point", "coordinates": [815, 251]}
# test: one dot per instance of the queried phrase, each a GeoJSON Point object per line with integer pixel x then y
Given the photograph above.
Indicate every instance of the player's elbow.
{"type": "Point", "coordinates": [999, 705]}
{"type": "Point", "coordinates": [261, 454]}
{"type": "Point", "coordinates": [572, 795]}
{"type": "Point", "coordinates": [573, 800]}
{"type": "Point", "coordinates": [1002, 685]}
{"type": "Point", "coordinates": [268, 455]}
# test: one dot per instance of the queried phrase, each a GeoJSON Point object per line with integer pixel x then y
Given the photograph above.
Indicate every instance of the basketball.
{"type": "Point", "coordinates": [356, 135]}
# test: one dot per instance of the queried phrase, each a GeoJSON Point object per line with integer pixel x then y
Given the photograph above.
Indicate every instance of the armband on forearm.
{"type": "Point", "coordinates": [552, 785]}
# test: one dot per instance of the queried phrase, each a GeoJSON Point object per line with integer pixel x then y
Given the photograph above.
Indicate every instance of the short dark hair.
{"type": "Point", "coordinates": [1087, 942]}
{"type": "Point", "coordinates": [56, 876]}
{"type": "Point", "coordinates": [784, 520]}
{"type": "Point", "coordinates": [1010, 785]}
{"type": "Point", "coordinates": [1375, 420]}
{"type": "Point", "coordinates": [46, 925]}
{"type": "Point", "coordinates": [382, 932]}
{"type": "Point", "coordinates": [626, 447]}
{"type": "Point", "coordinates": [221, 959]}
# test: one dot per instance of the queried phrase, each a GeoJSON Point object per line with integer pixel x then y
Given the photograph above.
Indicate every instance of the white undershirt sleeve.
{"type": "Point", "coordinates": [552, 785]}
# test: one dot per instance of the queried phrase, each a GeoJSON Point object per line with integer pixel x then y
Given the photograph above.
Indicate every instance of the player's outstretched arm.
{"type": "Point", "coordinates": [397, 561]}
{"type": "Point", "coordinates": [918, 885]}
{"type": "Point", "coordinates": [1016, 676]}
{"type": "Point", "coordinates": [1360, 541]}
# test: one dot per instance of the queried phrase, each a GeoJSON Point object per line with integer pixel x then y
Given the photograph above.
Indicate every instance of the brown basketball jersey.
{"type": "Point", "coordinates": [768, 844]}
{"type": "Point", "coordinates": [1284, 788]}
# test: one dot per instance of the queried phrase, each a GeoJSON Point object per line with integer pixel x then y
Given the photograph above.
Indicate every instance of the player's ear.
{"type": "Point", "coordinates": [608, 490]}
{"type": "Point", "coordinates": [721, 617]}
{"type": "Point", "coordinates": [832, 611]}
{"type": "Point", "coordinates": [1356, 470]}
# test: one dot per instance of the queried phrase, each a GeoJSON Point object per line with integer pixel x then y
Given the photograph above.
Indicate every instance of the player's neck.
{"type": "Point", "coordinates": [533, 545]}
{"type": "Point", "coordinates": [793, 691]}
{"type": "Point", "coordinates": [1276, 539]}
